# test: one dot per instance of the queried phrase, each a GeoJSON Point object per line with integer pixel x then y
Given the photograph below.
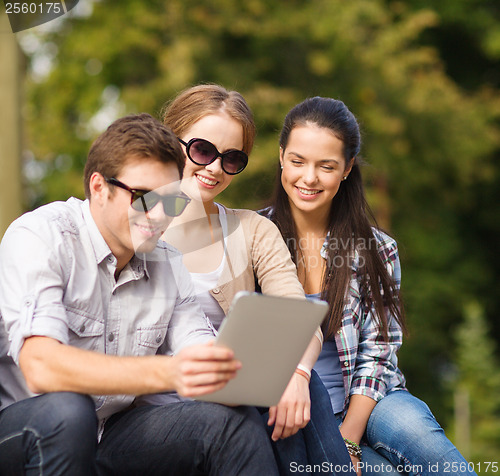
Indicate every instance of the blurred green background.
{"type": "Point", "coordinates": [422, 76]}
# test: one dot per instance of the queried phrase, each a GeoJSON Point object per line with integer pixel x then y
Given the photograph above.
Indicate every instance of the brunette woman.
{"type": "Point", "coordinates": [320, 208]}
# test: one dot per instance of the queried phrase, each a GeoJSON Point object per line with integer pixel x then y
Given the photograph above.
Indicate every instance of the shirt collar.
{"type": "Point", "coordinates": [324, 248]}
{"type": "Point", "coordinates": [139, 266]}
{"type": "Point", "coordinates": [101, 248]}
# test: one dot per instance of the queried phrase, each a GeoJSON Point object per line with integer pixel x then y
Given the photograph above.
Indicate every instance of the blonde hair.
{"type": "Point", "coordinates": [200, 101]}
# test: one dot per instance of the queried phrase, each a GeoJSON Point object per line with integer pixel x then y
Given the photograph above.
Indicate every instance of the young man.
{"type": "Point", "coordinates": [92, 304]}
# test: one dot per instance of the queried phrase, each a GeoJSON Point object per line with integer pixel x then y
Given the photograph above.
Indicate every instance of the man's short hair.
{"type": "Point", "coordinates": [137, 136]}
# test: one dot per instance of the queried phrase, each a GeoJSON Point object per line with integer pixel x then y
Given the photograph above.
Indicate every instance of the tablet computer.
{"type": "Point", "coordinates": [269, 335]}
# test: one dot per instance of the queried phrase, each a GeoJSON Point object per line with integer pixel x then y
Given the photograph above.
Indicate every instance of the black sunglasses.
{"type": "Point", "coordinates": [203, 152]}
{"type": "Point", "coordinates": [146, 200]}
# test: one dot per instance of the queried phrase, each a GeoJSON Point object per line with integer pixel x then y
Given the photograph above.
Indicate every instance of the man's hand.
{"type": "Point", "coordinates": [50, 366]}
{"type": "Point", "coordinates": [203, 369]}
{"type": "Point", "coordinates": [293, 411]}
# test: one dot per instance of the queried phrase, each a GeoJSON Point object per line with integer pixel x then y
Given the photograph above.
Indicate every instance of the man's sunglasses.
{"type": "Point", "coordinates": [202, 152]}
{"type": "Point", "coordinates": [146, 200]}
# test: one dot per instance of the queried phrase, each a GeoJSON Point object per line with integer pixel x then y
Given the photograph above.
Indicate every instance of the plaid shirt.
{"type": "Point", "coordinates": [369, 363]}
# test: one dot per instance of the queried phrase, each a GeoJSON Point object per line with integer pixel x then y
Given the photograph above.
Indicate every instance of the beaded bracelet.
{"type": "Point", "coordinates": [353, 448]}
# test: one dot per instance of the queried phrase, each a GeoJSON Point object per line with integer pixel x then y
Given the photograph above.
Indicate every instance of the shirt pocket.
{"type": "Point", "coordinates": [86, 332]}
{"type": "Point", "coordinates": [149, 338]}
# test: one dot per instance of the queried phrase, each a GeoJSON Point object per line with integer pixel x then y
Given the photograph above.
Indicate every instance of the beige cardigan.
{"type": "Point", "coordinates": [255, 245]}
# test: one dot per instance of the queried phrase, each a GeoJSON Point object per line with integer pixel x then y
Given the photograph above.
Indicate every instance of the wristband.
{"type": "Point", "coordinates": [301, 372]}
{"type": "Point", "coordinates": [304, 371]}
{"type": "Point", "coordinates": [319, 335]}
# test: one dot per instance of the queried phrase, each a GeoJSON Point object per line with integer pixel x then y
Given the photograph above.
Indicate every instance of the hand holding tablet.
{"type": "Point", "coordinates": [269, 336]}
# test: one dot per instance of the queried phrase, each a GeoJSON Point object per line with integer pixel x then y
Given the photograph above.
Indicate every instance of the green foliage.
{"type": "Point", "coordinates": [430, 128]}
{"type": "Point", "coordinates": [479, 378]}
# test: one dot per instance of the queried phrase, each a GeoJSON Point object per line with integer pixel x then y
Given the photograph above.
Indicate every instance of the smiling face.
{"type": "Point", "coordinates": [124, 229]}
{"type": "Point", "coordinates": [313, 168]}
{"type": "Point", "coordinates": [206, 182]}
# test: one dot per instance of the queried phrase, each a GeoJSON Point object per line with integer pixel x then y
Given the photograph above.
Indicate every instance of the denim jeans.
{"type": "Point", "coordinates": [405, 438]}
{"type": "Point", "coordinates": [55, 434]}
{"type": "Point", "coordinates": [318, 445]}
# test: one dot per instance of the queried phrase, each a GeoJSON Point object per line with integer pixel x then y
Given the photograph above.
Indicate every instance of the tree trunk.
{"type": "Point", "coordinates": [11, 200]}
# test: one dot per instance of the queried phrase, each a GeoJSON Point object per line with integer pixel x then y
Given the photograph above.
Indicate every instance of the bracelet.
{"type": "Point", "coordinates": [305, 369]}
{"type": "Point", "coordinates": [304, 374]}
{"type": "Point", "coordinates": [319, 335]}
{"type": "Point", "coordinates": [353, 448]}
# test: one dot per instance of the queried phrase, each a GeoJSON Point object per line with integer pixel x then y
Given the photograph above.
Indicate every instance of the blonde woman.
{"type": "Point", "coordinates": [225, 250]}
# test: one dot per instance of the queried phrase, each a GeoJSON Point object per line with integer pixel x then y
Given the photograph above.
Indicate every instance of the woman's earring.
{"type": "Point", "coordinates": [343, 178]}
{"type": "Point", "coordinates": [282, 167]}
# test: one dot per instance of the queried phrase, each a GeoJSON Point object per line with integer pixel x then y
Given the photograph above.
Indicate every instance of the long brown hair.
{"type": "Point", "coordinates": [350, 222]}
{"type": "Point", "coordinates": [137, 136]}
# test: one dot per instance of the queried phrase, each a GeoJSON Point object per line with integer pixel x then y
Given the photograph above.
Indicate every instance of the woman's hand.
{"type": "Point", "coordinates": [356, 462]}
{"type": "Point", "coordinates": [354, 425]}
{"type": "Point", "coordinates": [293, 411]}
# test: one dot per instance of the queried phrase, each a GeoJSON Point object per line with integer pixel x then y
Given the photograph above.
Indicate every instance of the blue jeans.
{"type": "Point", "coordinates": [55, 434]}
{"type": "Point", "coordinates": [405, 438]}
{"type": "Point", "coordinates": [316, 445]}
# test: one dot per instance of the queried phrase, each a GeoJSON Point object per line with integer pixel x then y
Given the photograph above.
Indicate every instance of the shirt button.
{"type": "Point", "coordinates": [111, 337]}
{"type": "Point", "coordinates": [111, 259]}
{"type": "Point", "coordinates": [216, 290]}
{"type": "Point", "coordinates": [28, 302]}
{"type": "Point", "coordinates": [339, 331]}
{"type": "Point", "coordinates": [346, 364]}
{"type": "Point", "coordinates": [82, 328]}
{"type": "Point", "coordinates": [158, 339]}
